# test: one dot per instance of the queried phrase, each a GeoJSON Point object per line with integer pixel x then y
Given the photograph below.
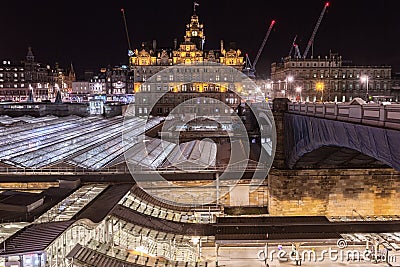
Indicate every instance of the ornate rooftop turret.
{"type": "Point", "coordinates": [195, 32]}
{"type": "Point", "coordinates": [29, 56]}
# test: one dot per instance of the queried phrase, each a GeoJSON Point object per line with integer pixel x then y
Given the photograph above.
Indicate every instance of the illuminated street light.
{"type": "Point", "coordinates": [365, 79]}
{"type": "Point", "coordinates": [289, 79]}
{"type": "Point", "coordinates": [319, 86]}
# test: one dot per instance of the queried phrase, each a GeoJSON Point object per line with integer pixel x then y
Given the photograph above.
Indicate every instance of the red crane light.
{"type": "Point", "coordinates": [122, 10]}
{"type": "Point", "coordinates": [273, 22]}
{"type": "Point", "coordinates": [327, 4]}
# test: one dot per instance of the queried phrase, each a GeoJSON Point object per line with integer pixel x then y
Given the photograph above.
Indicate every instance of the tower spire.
{"type": "Point", "coordinates": [29, 56]}
{"type": "Point", "coordinates": [194, 31]}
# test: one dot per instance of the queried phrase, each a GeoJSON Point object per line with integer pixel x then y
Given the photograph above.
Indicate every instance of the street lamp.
{"type": "Point", "coordinates": [319, 86]}
{"type": "Point", "coordinates": [268, 87]}
{"type": "Point", "coordinates": [289, 79]}
{"type": "Point", "coordinates": [279, 88]}
{"type": "Point", "coordinates": [365, 79]}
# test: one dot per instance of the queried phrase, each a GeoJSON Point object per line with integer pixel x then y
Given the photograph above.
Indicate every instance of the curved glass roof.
{"type": "Point", "coordinates": [95, 143]}
{"type": "Point", "coordinates": [90, 143]}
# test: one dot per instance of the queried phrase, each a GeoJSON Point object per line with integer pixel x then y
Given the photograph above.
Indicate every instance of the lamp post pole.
{"type": "Point", "coordinates": [365, 79]}
{"type": "Point", "coordinates": [289, 79]}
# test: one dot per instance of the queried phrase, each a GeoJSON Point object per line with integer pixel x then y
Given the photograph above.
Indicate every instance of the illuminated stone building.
{"type": "Point", "coordinates": [169, 90]}
{"type": "Point", "coordinates": [330, 79]}
{"type": "Point", "coordinates": [146, 62]}
{"type": "Point", "coordinates": [115, 80]}
{"type": "Point", "coordinates": [18, 80]}
{"type": "Point", "coordinates": [151, 61]}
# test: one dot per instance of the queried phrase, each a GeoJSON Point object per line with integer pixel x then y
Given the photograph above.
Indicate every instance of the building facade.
{"type": "Point", "coordinates": [19, 80]}
{"type": "Point", "coordinates": [194, 64]}
{"type": "Point", "coordinates": [108, 81]}
{"type": "Point", "coordinates": [396, 86]}
{"type": "Point", "coordinates": [147, 61]}
{"type": "Point", "coordinates": [329, 79]}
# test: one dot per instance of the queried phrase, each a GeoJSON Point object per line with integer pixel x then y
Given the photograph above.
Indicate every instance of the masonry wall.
{"type": "Point", "coordinates": [334, 192]}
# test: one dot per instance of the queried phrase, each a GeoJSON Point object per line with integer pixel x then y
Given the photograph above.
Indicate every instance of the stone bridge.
{"type": "Point", "coordinates": [335, 159]}
{"type": "Point", "coordinates": [338, 135]}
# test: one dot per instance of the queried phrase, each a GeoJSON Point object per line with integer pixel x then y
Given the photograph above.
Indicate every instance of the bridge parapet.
{"type": "Point", "coordinates": [387, 116]}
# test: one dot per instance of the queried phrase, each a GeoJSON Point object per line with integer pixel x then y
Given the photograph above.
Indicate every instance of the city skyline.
{"type": "Point", "coordinates": [93, 36]}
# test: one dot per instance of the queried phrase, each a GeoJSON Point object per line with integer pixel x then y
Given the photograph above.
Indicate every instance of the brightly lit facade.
{"type": "Point", "coordinates": [330, 79]}
{"type": "Point", "coordinates": [20, 79]}
{"type": "Point", "coordinates": [214, 83]}
{"type": "Point", "coordinates": [148, 61]}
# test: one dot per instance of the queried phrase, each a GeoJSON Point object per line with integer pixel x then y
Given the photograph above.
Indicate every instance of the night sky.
{"type": "Point", "coordinates": [91, 34]}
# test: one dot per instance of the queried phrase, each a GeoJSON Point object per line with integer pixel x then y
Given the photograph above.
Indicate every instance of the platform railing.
{"type": "Point", "coordinates": [387, 116]}
{"type": "Point", "coordinates": [59, 170]}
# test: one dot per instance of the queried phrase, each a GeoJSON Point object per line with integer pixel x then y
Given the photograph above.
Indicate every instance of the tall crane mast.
{"type": "Point", "coordinates": [297, 51]}
{"type": "Point", "coordinates": [263, 43]}
{"type": "Point", "coordinates": [311, 41]}
{"type": "Point", "coordinates": [251, 67]}
{"type": "Point", "coordinates": [130, 52]}
{"type": "Point", "coordinates": [293, 44]}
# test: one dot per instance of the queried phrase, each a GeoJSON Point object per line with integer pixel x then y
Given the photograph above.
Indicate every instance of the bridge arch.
{"type": "Point", "coordinates": [305, 134]}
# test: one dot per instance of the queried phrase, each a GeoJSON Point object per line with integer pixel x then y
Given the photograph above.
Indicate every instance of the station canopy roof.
{"type": "Point", "coordinates": [92, 143]}
{"type": "Point", "coordinates": [95, 143]}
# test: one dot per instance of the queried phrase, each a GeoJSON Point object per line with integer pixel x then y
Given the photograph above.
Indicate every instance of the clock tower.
{"type": "Point", "coordinates": [195, 33]}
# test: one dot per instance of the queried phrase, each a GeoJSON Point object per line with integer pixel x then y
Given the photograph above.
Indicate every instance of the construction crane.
{"type": "Point", "coordinates": [250, 68]}
{"type": "Point", "coordinates": [311, 41]}
{"type": "Point", "coordinates": [296, 49]}
{"type": "Point", "coordinates": [292, 46]}
{"type": "Point", "coordinates": [130, 52]}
